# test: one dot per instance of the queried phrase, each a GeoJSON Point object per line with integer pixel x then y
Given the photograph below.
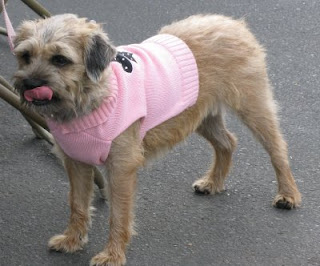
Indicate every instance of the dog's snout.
{"type": "Point", "coordinates": [32, 83]}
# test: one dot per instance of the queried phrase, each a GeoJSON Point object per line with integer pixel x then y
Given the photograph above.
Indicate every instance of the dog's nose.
{"type": "Point", "coordinates": [32, 83]}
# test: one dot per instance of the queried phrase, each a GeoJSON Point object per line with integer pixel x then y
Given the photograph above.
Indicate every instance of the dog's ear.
{"type": "Point", "coordinates": [24, 31]}
{"type": "Point", "coordinates": [97, 56]}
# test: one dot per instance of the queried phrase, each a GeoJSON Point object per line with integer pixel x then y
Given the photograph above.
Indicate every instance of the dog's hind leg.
{"type": "Point", "coordinates": [258, 112]}
{"type": "Point", "coordinates": [100, 181]}
{"type": "Point", "coordinates": [81, 178]}
{"type": "Point", "coordinates": [213, 129]}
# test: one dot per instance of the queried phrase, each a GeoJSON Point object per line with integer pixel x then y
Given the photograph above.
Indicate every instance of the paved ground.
{"type": "Point", "coordinates": [176, 227]}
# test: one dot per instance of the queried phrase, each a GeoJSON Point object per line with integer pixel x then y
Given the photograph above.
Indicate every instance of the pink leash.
{"type": "Point", "coordinates": [10, 30]}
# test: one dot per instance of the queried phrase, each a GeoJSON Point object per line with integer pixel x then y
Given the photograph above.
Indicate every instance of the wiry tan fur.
{"type": "Point", "coordinates": [67, 35]}
{"type": "Point", "coordinates": [232, 74]}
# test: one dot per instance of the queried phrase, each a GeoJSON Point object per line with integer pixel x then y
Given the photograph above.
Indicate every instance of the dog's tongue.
{"type": "Point", "coordinates": [39, 93]}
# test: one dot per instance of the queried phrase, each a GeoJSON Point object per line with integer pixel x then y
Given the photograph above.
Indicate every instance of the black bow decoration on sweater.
{"type": "Point", "coordinates": [124, 59]}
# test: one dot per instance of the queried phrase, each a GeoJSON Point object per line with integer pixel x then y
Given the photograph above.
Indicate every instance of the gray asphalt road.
{"type": "Point", "coordinates": [176, 227]}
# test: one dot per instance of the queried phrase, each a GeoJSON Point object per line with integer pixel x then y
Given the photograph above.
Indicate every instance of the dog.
{"type": "Point", "coordinates": [65, 70]}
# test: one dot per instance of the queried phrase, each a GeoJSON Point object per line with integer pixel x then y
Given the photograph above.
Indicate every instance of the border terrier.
{"type": "Point", "coordinates": [120, 107]}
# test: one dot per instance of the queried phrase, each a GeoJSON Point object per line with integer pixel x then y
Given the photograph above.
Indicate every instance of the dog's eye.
{"type": "Point", "coordinates": [26, 57]}
{"type": "Point", "coordinates": [60, 60]}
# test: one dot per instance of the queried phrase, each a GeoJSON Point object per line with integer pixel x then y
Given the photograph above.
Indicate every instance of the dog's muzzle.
{"type": "Point", "coordinates": [36, 92]}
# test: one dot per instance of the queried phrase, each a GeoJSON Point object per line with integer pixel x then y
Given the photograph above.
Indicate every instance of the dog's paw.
{"type": "Point", "coordinates": [206, 186]}
{"type": "Point", "coordinates": [108, 259]}
{"type": "Point", "coordinates": [287, 202]}
{"type": "Point", "coordinates": [66, 243]}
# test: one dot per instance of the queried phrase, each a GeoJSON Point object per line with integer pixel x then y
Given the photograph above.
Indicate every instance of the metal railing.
{"type": "Point", "coordinates": [8, 93]}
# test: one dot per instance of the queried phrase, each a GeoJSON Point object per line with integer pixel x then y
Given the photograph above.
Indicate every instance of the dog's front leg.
{"type": "Point", "coordinates": [81, 178]}
{"type": "Point", "coordinates": [123, 162]}
{"type": "Point", "coordinates": [121, 199]}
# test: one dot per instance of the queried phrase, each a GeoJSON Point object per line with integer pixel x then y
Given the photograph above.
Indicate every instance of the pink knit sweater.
{"type": "Point", "coordinates": [162, 83]}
